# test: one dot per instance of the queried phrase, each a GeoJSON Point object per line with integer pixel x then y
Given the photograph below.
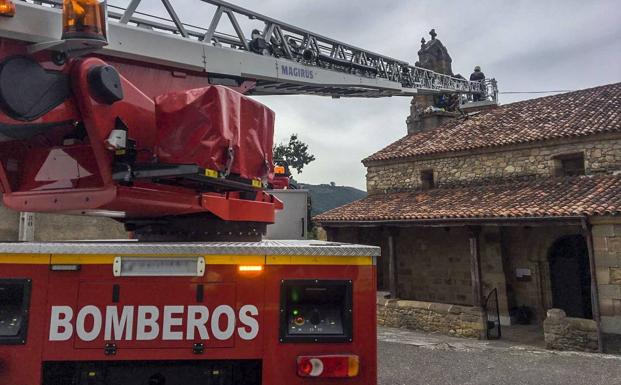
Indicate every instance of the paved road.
{"type": "Point", "coordinates": [410, 358]}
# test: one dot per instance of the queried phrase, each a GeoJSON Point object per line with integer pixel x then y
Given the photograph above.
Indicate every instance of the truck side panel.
{"type": "Point", "coordinates": [94, 288]}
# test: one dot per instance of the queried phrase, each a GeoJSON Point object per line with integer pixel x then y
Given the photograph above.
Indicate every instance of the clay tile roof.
{"type": "Point", "coordinates": [580, 113]}
{"type": "Point", "coordinates": [550, 197]}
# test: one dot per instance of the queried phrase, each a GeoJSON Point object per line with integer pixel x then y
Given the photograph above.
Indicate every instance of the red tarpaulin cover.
{"type": "Point", "coordinates": [198, 127]}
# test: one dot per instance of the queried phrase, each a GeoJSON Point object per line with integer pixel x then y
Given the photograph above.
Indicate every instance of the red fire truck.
{"type": "Point", "coordinates": [113, 112]}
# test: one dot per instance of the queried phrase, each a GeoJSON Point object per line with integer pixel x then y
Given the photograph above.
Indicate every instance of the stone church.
{"type": "Point", "coordinates": [499, 216]}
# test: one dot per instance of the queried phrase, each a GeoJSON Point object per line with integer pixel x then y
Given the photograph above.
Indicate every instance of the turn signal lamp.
{"type": "Point", "coordinates": [7, 8]}
{"type": "Point", "coordinates": [84, 19]}
{"type": "Point", "coordinates": [332, 366]}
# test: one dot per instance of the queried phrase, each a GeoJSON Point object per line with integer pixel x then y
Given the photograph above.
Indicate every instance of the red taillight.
{"type": "Point", "coordinates": [305, 368]}
{"type": "Point", "coordinates": [331, 366]}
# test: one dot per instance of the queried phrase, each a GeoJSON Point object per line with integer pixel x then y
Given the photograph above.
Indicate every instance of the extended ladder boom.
{"type": "Point", "coordinates": [284, 60]}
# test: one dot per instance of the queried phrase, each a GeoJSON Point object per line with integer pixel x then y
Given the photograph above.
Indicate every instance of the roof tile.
{"type": "Point", "coordinates": [550, 197]}
{"type": "Point", "coordinates": [580, 113]}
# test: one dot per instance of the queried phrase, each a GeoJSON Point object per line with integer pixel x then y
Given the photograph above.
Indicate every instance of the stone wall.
{"type": "Point", "coordinates": [54, 227]}
{"type": "Point", "coordinates": [9, 224]}
{"type": "Point", "coordinates": [565, 333]}
{"type": "Point", "coordinates": [433, 265]}
{"type": "Point", "coordinates": [607, 255]}
{"type": "Point", "coordinates": [427, 121]}
{"type": "Point", "coordinates": [460, 321]}
{"type": "Point", "coordinates": [601, 156]}
{"type": "Point", "coordinates": [51, 227]}
{"type": "Point", "coordinates": [428, 267]}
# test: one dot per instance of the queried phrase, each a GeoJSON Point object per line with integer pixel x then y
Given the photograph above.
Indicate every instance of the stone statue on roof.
{"type": "Point", "coordinates": [433, 55]}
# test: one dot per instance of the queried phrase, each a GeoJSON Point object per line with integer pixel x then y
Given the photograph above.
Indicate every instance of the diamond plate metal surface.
{"type": "Point", "coordinates": [302, 248]}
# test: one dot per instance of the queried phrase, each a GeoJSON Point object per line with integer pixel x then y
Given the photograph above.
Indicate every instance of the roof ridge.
{"type": "Point", "coordinates": [602, 86]}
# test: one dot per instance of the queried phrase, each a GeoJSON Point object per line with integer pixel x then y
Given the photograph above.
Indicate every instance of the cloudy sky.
{"type": "Point", "coordinates": [527, 45]}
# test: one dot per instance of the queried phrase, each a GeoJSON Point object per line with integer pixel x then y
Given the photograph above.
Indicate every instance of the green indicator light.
{"type": "Point", "coordinates": [296, 312]}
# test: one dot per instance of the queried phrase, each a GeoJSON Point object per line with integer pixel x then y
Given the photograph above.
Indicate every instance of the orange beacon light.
{"type": "Point", "coordinates": [7, 8]}
{"type": "Point", "coordinates": [84, 19]}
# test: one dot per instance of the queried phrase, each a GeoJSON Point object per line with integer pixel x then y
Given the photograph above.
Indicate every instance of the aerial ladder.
{"type": "Point", "coordinates": [281, 59]}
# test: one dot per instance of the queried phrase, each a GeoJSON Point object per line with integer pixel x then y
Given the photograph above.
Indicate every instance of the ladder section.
{"type": "Point", "coordinates": [281, 58]}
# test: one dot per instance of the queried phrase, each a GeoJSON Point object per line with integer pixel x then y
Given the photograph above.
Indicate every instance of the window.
{"type": "Point", "coordinates": [426, 179]}
{"type": "Point", "coordinates": [14, 303]}
{"type": "Point", "coordinates": [569, 165]}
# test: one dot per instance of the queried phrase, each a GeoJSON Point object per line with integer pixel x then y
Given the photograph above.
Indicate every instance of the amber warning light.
{"type": "Point", "coordinates": [84, 19]}
{"type": "Point", "coordinates": [251, 268]}
{"type": "Point", "coordinates": [7, 8]}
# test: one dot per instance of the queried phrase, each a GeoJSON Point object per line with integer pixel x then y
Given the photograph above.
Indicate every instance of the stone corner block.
{"type": "Point", "coordinates": [555, 315]}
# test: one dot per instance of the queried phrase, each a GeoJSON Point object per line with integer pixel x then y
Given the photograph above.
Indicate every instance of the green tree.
{"type": "Point", "coordinates": [295, 153]}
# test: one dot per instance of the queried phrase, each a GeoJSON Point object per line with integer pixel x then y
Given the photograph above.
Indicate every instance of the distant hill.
{"type": "Point", "coordinates": [325, 197]}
